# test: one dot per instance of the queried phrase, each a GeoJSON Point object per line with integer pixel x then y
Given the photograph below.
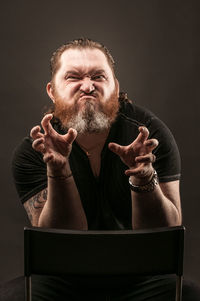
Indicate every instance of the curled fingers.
{"type": "Point", "coordinates": [143, 134]}
{"type": "Point", "coordinates": [145, 166]}
{"type": "Point", "coordinates": [35, 132]}
{"type": "Point", "coordinates": [70, 136]}
{"type": "Point", "coordinates": [48, 157]}
{"type": "Point", "coordinates": [38, 145]}
{"type": "Point", "coordinates": [140, 172]}
{"type": "Point", "coordinates": [149, 158]}
{"type": "Point", "coordinates": [151, 144]}
{"type": "Point", "coordinates": [38, 139]}
{"type": "Point", "coordinates": [48, 129]}
{"type": "Point", "coordinates": [116, 148]}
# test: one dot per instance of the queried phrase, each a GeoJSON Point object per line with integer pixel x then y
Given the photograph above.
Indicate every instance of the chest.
{"type": "Point", "coordinates": [95, 162]}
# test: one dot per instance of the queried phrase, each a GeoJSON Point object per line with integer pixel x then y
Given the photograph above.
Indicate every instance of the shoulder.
{"type": "Point", "coordinates": [131, 116]}
{"type": "Point", "coordinates": [134, 113]}
{"type": "Point", "coordinates": [24, 152]}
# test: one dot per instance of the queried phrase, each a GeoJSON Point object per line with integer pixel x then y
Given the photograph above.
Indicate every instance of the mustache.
{"type": "Point", "coordinates": [92, 93]}
{"type": "Point", "coordinates": [81, 94]}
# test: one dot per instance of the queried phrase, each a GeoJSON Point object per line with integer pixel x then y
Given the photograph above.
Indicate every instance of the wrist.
{"type": "Point", "coordinates": [142, 180]}
{"type": "Point", "coordinates": [59, 171]}
{"type": "Point", "coordinates": [147, 187]}
{"type": "Point", "coordinates": [60, 177]}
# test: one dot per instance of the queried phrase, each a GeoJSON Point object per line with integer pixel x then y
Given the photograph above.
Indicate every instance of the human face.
{"type": "Point", "coordinates": [83, 81]}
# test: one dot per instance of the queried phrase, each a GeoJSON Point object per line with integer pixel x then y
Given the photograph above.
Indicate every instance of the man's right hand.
{"type": "Point", "coordinates": [55, 148]}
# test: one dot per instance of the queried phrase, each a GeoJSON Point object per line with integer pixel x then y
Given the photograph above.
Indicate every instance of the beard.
{"type": "Point", "coordinates": [94, 116]}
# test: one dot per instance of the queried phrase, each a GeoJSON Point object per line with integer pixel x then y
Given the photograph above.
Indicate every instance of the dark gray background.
{"type": "Point", "coordinates": [156, 47]}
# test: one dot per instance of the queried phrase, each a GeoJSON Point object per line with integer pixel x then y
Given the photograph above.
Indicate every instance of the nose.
{"type": "Point", "coordinates": [87, 85]}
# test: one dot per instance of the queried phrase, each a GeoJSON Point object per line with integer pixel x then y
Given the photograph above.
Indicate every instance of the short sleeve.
{"type": "Point", "coordinates": [29, 170]}
{"type": "Point", "coordinates": [168, 162]}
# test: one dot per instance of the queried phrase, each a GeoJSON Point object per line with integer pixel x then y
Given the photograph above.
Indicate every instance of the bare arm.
{"type": "Point", "coordinates": [60, 206]}
{"type": "Point", "coordinates": [157, 208]}
{"type": "Point", "coordinates": [63, 208]}
{"type": "Point", "coordinates": [34, 206]}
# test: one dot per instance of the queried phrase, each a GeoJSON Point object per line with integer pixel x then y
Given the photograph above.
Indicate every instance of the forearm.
{"type": "Point", "coordinates": [63, 208]}
{"type": "Point", "coordinates": [156, 208]}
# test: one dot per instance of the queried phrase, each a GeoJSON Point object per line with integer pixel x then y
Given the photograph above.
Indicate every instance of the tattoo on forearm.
{"type": "Point", "coordinates": [38, 200]}
{"type": "Point", "coordinates": [44, 194]}
{"type": "Point", "coordinates": [34, 205]}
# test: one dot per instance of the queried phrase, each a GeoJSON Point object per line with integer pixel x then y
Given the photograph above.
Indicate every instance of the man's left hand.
{"type": "Point", "coordinates": [138, 156]}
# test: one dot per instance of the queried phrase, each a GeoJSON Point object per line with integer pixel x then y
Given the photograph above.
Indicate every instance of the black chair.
{"type": "Point", "coordinates": [132, 252]}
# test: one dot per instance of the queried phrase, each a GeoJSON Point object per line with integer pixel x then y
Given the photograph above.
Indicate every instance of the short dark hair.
{"type": "Point", "coordinates": [79, 43]}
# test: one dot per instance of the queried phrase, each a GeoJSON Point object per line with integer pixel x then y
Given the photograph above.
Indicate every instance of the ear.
{"type": "Point", "coordinates": [49, 90]}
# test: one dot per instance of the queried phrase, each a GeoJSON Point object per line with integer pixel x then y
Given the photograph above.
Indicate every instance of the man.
{"type": "Point", "coordinates": [98, 162]}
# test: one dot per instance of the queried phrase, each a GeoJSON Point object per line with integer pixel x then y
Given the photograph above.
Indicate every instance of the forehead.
{"type": "Point", "coordinates": [84, 60]}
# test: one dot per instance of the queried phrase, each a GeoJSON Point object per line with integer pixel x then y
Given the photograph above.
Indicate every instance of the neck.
{"type": "Point", "coordinates": [89, 140]}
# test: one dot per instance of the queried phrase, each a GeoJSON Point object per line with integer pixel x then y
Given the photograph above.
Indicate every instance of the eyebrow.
{"type": "Point", "coordinates": [92, 71]}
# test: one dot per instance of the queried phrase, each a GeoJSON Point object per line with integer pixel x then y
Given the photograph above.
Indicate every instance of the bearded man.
{"type": "Point", "coordinates": [99, 162]}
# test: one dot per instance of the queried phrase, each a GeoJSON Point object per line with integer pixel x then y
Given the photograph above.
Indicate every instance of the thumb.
{"type": "Point", "coordinates": [46, 125]}
{"type": "Point", "coordinates": [70, 136]}
{"type": "Point", "coordinates": [116, 148]}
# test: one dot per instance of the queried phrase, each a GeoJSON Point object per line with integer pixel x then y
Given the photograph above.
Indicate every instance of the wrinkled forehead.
{"type": "Point", "coordinates": [84, 60]}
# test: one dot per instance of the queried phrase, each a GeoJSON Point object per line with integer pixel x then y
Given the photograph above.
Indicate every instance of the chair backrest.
{"type": "Point", "coordinates": [131, 252]}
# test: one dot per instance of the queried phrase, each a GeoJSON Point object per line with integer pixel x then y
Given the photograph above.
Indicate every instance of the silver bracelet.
{"type": "Point", "coordinates": [147, 187]}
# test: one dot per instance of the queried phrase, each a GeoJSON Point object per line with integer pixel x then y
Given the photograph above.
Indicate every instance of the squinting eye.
{"type": "Point", "coordinates": [72, 78]}
{"type": "Point", "coordinates": [98, 77]}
